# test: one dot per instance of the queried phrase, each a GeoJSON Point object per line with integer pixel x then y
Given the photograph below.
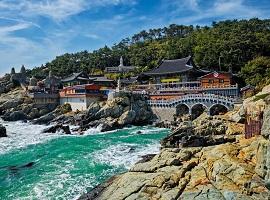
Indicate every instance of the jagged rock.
{"type": "Point", "coordinates": [54, 129]}
{"type": "Point", "coordinates": [266, 123]}
{"type": "Point", "coordinates": [63, 109]}
{"type": "Point", "coordinates": [109, 124]}
{"type": "Point", "coordinates": [44, 119]}
{"type": "Point", "coordinates": [223, 171]}
{"type": "Point", "coordinates": [238, 117]}
{"type": "Point", "coordinates": [52, 116]}
{"type": "Point", "coordinates": [93, 109]}
{"type": "Point", "coordinates": [15, 116]}
{"type": "Point", "coordinates": [11, 104]}
{"type": "Point", "coordinates": [125, 109]}
{"type": "Point", "coordinates": [3, 131]}
{"type": "Point", "coordinates": [235, 129]}
{"type": "Point", "coordinates": [34, 113]}
{"type": "Point", "coordinates": [127, 117]}
{"type": "Point", "coordinates": [43, 112]}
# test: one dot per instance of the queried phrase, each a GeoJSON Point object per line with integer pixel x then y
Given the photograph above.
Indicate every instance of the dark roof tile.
{"type": "Point", "coordinates": [173, 66]}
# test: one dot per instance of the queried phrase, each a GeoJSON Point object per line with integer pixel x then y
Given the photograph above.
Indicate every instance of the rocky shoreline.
{"type": "Point", "coordinates": [208, 159]}
{"type": "Point", "coordinates": [124, 110]}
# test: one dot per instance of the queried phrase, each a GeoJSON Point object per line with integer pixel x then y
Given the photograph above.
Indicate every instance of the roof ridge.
{"type": "Point", "coordinates": [170, 60]}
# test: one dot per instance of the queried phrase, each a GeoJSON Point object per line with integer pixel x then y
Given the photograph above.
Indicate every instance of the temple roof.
{"type": "Point", "coordinates": [173, 66]}
{"type": "Point", "coordinates": [79, 76]}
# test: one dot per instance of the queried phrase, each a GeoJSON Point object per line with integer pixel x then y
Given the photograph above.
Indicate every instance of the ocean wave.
{"type": "Point", "coordinates": [125, 154]}
{"type": "Point", "coordinates": [22, 134]}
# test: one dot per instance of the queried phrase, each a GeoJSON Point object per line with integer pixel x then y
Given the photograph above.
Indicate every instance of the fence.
{"type": "Point", "coordinates": [253, 125]}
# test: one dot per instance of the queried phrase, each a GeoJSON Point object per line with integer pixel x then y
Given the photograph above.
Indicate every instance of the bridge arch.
{"type": "Point", "coordinates": [182, 109]}
{"type": "Point", "coordinates": [218, 108]}
{"type": "Point", "coordinates": [198, 109]}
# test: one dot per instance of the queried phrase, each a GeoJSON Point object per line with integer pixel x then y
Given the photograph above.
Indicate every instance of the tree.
{"type": "Point", "coordinates": [257, 72]}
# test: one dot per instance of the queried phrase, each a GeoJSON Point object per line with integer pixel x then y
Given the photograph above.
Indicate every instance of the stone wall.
{"type": "Point", "coordinates": [164, 113]}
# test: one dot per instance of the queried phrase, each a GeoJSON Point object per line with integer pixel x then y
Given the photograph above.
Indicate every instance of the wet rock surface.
{"type": "Point", "coordinates": [3, 131]}
{"type": "Point", "coordinates": [57, 128]}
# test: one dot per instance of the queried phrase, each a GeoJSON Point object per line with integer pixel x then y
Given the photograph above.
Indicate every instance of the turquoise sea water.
{"type": "Point", "coordinates": [64, 167]}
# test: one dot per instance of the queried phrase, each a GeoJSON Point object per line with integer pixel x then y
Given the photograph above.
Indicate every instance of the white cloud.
{"type": "Point", "coordinates": [219, 9]}
{"type": "Point", "coordinates": [4, 30]}
{"type": "Point", "coordinates": [92, 36]}
{"type": "Point", "coordinates": [17, 50]}
{"type": "Point", "coordinates": [55, 9]}
{"type": "Point", "coordinates": [19, 15]}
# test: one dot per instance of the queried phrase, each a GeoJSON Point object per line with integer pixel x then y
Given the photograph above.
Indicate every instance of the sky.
{"type": "Point", "coordinates": [33, 32]}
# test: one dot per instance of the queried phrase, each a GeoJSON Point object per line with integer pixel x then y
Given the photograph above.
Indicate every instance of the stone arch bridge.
{"type": "Point", "coordinates": [166, 109]}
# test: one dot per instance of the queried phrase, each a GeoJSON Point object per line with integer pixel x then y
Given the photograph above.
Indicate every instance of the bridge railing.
{"type": "Point", "coordinates": [195, 85]}
{"type": "Point", "coordinates": [212, 97]}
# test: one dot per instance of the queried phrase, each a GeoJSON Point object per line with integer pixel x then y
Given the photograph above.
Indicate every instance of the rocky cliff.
{"type": "Point", "coordinates": [125, 109]}
{"type": "Point", "coordinates": [208, 159]}
{"type": "Point", "coordinates": [15, 105]}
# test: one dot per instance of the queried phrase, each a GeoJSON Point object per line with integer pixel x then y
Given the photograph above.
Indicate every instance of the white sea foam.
{"type": "Point", "coordinates": [22, 134]}
{"type": "Point", "coordinates": [125, 154]}
{"type": "Point", "coordinates": [147, 130]}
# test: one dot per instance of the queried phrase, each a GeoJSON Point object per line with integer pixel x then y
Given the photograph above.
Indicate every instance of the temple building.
{"type": "Point", "coordinates": [103, 81]}
{"type": "Point", "coordinates": [80, 78]}
{"type": "Point", "coordinates": [217, 80]}
{"type": "Point", "coordinates": [81, 96]}
{"type": "Point", "coordinates": [121, 68]}
{"type": "Point", "coordinates": [220, 83]}
{"type": "Point", "coordinates": [46, 91]}
{"type": "Point", "coordinates": [172, 71]}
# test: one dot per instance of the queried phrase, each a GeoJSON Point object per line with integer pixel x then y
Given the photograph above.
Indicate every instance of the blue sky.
{"type": "Point", "coordinates": [33, 32]}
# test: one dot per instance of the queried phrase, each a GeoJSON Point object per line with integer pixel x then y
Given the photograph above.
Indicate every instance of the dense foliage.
{"type": "Point", "coordinates": [257, 72]}
{"type": "Point", "coordinates": [230, 43]}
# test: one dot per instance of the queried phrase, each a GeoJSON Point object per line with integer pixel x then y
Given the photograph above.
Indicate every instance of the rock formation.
{"type": "Point", "coordinates": [126, 109]}
{"type": "Point", "coordinates": [208, 159]}
{"type": "Point", "coordinates": [3, 131]}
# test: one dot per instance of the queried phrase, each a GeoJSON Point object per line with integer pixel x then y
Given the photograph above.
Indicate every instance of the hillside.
{"type": "Point", "coordinates": [232, 43]}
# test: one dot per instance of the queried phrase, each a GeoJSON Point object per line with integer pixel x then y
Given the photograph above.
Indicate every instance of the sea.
{"type": "Point", "coordinates": [36, 165]}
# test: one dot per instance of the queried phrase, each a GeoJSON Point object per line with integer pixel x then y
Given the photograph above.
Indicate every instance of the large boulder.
{"type": "Point", "coordinates": [3, 131]}
{"type": "Point", "coordinates": [266, 123]}
{"type": "Point", "coordinates": [63, 109]}
{"type": "Point", "coordinates": [56, 128]}
{"type": "Point", "coordinates": [127, 117]}
{"type": "Point", "coordinates": [114, 111]}
{"type": "Point", "coordinates": [15, 116]}
{"type": "Point", "coordinates": [45, 119]}
{"type": "Point", "coordinates": [11, 104]}
{"type": "Point", "coordinates": [93, 109]}
{"type": "Point", "coordinates": [263, 150]}
{"type": "Point", "coordinates": [34, 113]}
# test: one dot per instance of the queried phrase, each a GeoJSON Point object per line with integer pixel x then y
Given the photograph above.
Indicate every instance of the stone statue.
{"type": "Point", "coordinates": [33, 81]}
{"type": "Point", "coordinates": [12, 71]}
{"type": "Point", "coordinates": [23, 71]}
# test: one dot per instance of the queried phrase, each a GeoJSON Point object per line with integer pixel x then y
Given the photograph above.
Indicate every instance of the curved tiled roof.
{"type": "Point", "coordinates": [77, 76]}
{"type": "Point", "coordinates": [173, 66]}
